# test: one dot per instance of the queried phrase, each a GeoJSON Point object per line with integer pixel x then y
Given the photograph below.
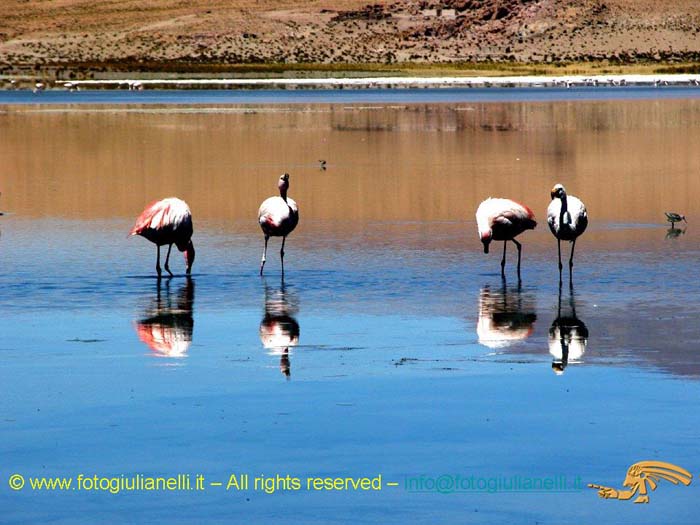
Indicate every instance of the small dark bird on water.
{"type": "Point", "coordinates": [673, 218]}
{"type": "Point", "coordinates": [322, 164]}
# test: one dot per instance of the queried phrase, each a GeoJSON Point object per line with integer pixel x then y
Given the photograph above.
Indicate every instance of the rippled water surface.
{"type": "Point", "coordinates": [391, 346]}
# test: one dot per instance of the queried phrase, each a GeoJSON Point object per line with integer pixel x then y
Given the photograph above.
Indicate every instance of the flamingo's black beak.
{"type": "Point", "coordinates": [189, 257]}
{"type": "Point", "coordinates": [486, 246]}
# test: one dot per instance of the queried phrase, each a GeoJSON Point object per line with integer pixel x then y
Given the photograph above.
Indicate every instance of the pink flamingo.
{"type": "Point", "coordinates": [167, 222]}
{"type": "Point", "coordinates": [278, 216]}
{"type": "Point", "coordinates": [503, 220]}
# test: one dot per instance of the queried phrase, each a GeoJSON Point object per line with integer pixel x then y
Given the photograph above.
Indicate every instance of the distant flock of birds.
{"type": "Point", "coordinates": [169, 222]}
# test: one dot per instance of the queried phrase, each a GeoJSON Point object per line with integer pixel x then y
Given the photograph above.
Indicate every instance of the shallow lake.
{"type": "Point", "coordinates": [407, 356]}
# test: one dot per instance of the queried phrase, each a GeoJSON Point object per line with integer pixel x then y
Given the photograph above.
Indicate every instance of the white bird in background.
{"type": "Point", "coordinates": [278, 216]}
{"type": "Point", "coordinates": [567, 218]}
{"type": "Point", "coordinates": [503, 220]}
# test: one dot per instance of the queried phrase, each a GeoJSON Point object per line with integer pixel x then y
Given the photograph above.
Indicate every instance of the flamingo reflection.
{"type": "Point", "coordinates": [279, 331]}
{"type": "Point", "coordinates": [168, 323]}
{"type": "Point", "coordinates": [568, 336]}
{"type": "Point", "coordinates": [506, 316]}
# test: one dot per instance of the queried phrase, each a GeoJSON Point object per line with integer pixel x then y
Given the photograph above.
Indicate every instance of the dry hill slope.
{"type": "Point", "coordinates": [126, 33]}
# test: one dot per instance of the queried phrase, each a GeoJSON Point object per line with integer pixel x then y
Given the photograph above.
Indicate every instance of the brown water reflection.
{"type": "Point", "coordinates": [629, 160]}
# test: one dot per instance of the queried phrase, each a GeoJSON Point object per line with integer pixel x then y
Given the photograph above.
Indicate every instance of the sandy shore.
{"type": "Point", "coordinates": [393, 82]}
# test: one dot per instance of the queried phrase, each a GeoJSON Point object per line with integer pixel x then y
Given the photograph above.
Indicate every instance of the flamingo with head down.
{"type": "Point", "coordinates": [168, 221]}
{"type": "Point", "coordinates": [503, 220]}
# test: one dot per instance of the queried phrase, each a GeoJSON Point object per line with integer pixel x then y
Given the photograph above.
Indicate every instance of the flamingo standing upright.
{"type": "Point", "coordinates": [567, 218]}
{"type": "Point", "coordinates": [503, 220]}
{"type": "Point", "coordinates": [278, 216]}
{"type": "Point", "coordinates": [168, 221]}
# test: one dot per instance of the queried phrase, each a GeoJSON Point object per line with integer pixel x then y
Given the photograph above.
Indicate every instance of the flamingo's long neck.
{"type": "Point", "coordinates": [564, 204]}
{"type": "Point", "coordinates": [283, 191]}
{"type": "Point", "coordinates": [564, 210]}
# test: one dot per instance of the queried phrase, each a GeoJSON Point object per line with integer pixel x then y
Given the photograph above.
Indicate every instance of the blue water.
{"type": "Point", "coordinates": [388, 376]}
{"type": "Point", "coordinates": [391, 347]}
{"type": "Point", "coordinates": [346, 96]}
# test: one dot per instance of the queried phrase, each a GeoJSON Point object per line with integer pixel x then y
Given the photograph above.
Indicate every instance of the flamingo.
{"type": "Point", "coordinates": [278, 216]}
{"type": "Point", "coordinates": [567, 218]}
{"type": "Point", "coordinates": [168, 221]}
{"type": "Point", "coordinates": [503, 220]}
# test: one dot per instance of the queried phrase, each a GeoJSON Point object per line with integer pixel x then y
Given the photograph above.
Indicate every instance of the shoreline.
{"type": "Point", "coordinates": [372, 82]}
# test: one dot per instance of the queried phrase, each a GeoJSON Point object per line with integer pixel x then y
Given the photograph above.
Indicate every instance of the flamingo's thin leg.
{"type": "Point", "coordinates": [167, 260]}
{"type": "Point", "coordinates": [158, 260]}
{"type": "Point", "coordinates": [560, 265]}
{"type": "Point", "coordinates": [262, 262]}
{"type": "Point", "coordinates": [284, 239]}
{"type": "Point", "coordinates": [519, 254]}
{"type": "Point", "coordinates": [503, 261]}
{"type": "Point", "coordinates": [571, 260]}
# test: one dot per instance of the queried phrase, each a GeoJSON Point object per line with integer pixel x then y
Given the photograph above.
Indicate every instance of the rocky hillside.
{"type": "Point", "coordinates": [127, 33]}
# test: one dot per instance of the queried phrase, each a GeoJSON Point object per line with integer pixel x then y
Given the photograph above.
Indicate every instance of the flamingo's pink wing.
{"type": "Point", "coordinates": [503, 219]}
{"type": "Point", "coordinates": [515, 215]}
{"type": "Point", "coordinates": [530, 213]}
{"type": "Point", "coordinates": [152, 217]}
